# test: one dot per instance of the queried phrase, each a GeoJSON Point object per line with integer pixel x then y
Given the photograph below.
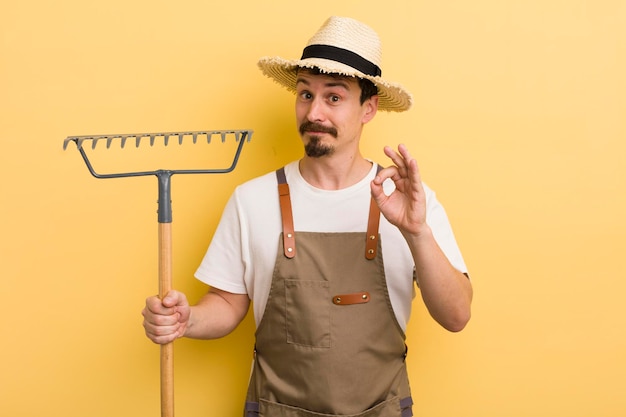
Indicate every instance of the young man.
{"type": "Point", "coordinates": [306, 244]}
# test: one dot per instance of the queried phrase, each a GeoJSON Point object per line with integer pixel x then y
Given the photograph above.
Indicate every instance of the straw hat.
{"type": "Point", "coordinates": [342, 46]}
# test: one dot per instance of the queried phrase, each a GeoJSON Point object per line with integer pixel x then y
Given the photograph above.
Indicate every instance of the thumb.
{"type": "Point", "coordinates": [174, 298]}
{"type": "Point", "coordinates": [377, 191]}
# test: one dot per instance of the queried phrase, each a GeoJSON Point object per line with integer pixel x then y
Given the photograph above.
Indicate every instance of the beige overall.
{"type": "Point", "coordinates": [329, 343]}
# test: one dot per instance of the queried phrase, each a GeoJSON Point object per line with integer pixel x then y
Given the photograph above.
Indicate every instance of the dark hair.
{"type": "Point", "coordinates": [368, 88]}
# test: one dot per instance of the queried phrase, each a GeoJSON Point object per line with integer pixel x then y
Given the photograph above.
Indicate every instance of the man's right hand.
{"type": "Point", "coordinates": [166, 320]}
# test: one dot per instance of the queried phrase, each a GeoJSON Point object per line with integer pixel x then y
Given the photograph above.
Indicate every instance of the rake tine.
{"type": "Point", "coordinates": [151, 140]}
{"type": "Point", "coordinates": [223, 137]}
{"type": "Point", "coordinates": [208, 137]}
{"type": "Point", "coordinates": [180, 138]}
{"type": "Point", "coordinates": [123, 140]}
{"type": "Point", "coordinates": [166, 139]}
{"type": "Point", "coordinates": [194, 138]}
{"type": "Point", "coordinates": [237, 136]}
{"type": "Point", "coordinates": [94, 143]}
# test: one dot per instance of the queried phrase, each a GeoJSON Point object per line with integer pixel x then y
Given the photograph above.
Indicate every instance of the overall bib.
{"type": "Point", "coordinates": [328, 343]}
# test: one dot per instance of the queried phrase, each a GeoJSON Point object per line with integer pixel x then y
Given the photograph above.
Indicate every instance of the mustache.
{"type": "Point", "coordinates": [316, 127]}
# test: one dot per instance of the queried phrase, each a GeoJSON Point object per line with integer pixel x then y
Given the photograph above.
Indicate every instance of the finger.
{"type": "Point", "coordinates": [385, 173]}
{"type": "Point", "coordinates": [156, 313]}
{"type": "Point", "coordinates": [411, 163]}
{"type": "Point", "coordinates": [414, 172]}
{"type": "Point", "coordinates": [156, 319]}
{"type": "Point", "coordinates": [154, 305]}
{"type": "Point", "coordinates": [405, 155]}
{"type": "Point", "coordinates": [162, 335]}
{"type": "Point", "coordinates": [160, 330]}
{"type": "Point", "coordinates": [404, 151]}
{"type": "Point", "coordinates": [395, 157]}
{"type": "Point", "coordinates": [159, 326]}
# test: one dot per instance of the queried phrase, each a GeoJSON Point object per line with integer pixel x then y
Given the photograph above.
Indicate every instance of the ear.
{"type": "Point", "coordinates": [370, 107]}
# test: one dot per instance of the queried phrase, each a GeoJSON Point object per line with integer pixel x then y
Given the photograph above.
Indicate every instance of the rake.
{"type": "Point", "coordinates": [164, 214]}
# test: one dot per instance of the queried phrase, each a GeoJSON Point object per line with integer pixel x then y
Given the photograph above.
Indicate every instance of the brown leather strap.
{"type": "Point", "coordinates": [349, 299]}
{"type": "Point", "coordinates": [371, 238]}
{"type": "Point", "coordinates": [289, 237]}
{"type": "Point", "coordinates": [371, 242]}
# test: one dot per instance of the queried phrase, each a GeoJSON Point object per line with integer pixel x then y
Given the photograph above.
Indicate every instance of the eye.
{"type": "Point", "coordinates": [305, 95]}
{"type": "Point", "coordinates": [334, 98]}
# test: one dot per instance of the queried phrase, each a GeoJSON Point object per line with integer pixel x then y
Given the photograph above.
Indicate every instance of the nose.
{"type": "Point", "coordinates": [315, 111]}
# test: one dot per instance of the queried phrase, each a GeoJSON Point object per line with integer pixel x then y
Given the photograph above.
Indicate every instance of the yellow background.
{"type": "Point", "coordinates": [518, 124]}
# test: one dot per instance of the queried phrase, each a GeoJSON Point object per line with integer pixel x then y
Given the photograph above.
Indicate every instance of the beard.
{"type": "Point", "coordinates": [315, 148]}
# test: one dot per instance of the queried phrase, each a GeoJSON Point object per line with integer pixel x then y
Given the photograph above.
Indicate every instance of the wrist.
{"type": "Point", "coordinates": [418, 233]}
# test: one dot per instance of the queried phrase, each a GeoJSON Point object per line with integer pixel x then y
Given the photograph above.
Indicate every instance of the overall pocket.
{"type": "Point", "coordinates": [307, 313]}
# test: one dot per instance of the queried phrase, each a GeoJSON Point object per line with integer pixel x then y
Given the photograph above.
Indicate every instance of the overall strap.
{"type": "Point", "coordinates": [371, 238]}
{"type": "Point", "coordinates": [289, 239]}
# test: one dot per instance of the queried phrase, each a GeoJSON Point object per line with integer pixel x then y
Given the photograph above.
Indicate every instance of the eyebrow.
{"type": "Point", "coordinates": [335, 83]}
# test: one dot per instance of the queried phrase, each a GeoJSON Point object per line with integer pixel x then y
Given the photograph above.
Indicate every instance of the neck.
{"type": "Point", "coordinates": [333, 172]}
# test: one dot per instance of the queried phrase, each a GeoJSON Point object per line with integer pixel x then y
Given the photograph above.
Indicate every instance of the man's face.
{"type": "Point", "coordinates": [329, 114]}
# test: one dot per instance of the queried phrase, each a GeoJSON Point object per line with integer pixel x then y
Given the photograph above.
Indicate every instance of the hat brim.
{"type": "Point", "coordinates": [391, 96]}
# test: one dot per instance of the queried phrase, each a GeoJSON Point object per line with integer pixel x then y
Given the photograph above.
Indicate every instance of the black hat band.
{"type": "Point", "coordinates": [344, 56]}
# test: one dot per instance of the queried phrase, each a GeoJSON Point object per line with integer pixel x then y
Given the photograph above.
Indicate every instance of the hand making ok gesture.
{"type": "Point", "coordinates": [405, 207]}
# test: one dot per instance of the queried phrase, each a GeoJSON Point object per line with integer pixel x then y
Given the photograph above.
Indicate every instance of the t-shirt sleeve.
{"type": "Point", "coordinates": [222, 266]}
{"type": "Point", "coordinates": [437, 219]}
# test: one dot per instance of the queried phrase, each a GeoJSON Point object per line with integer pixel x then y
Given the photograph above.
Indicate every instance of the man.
{"type": "Point", "coordinates": [306, 244]}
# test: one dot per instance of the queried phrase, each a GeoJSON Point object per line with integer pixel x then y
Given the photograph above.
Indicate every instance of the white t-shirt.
{"type": "Point", "coordinates": [242, 254]}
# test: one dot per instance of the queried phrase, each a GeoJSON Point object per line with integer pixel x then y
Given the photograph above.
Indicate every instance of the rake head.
{"type": "Point", "coordinates": [81, 142]}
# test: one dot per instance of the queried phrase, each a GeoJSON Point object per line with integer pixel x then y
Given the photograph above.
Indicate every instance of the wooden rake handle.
{"type": "Point", "coordinates": [167, 350]}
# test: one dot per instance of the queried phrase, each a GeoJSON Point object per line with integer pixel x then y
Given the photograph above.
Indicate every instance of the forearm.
{"type": "Point", "coordinates": [217, 314]}
{"type": "Point", "coordinates": [447, 293]}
